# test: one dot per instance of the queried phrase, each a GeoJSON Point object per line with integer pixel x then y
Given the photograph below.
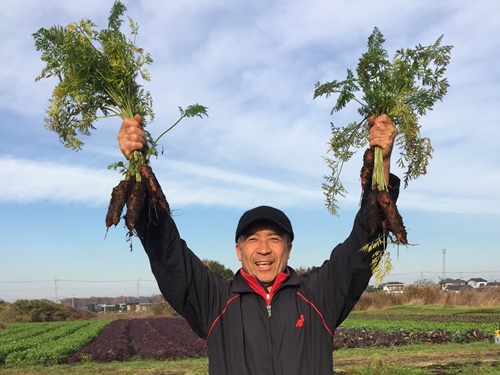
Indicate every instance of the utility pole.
{"type": "Point", "coordinates": [444, 263]}
{"type": "Point", "coordinates": [55, 287]}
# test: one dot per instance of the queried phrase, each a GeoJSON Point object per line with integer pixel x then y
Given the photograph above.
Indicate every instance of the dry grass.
{"type": "Point", "coordinates": [429, 295]}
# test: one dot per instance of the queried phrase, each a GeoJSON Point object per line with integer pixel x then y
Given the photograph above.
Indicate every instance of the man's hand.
{"type": "Point", "coordinates": [382, 134]}
{"type": "Point", "coordinates": [131, 136]}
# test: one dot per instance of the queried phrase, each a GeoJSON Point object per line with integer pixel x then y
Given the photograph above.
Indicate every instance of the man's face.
{"type": "Point", "coordinates": [263, 252]}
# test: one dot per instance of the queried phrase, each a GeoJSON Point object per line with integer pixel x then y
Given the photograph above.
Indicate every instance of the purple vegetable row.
{"type": "Point", "coordinates": [152, 338]}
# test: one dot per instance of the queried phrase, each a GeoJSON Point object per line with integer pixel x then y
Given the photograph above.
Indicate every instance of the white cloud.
{"type": "Point", "coordinates": [254, 66]}
{"type": "Point", "coordinates": [31, 181]}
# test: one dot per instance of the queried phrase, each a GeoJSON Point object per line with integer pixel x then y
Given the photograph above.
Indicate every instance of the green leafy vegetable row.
{"type": "Point", "coordinates": [47, 342]}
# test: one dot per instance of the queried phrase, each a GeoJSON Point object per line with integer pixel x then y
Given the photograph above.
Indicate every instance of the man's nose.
{"type": "Point", "coordinates": [264, 248]}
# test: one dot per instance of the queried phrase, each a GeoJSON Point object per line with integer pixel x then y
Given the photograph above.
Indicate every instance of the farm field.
{"type": "Point", "coordinates": [399, 340]}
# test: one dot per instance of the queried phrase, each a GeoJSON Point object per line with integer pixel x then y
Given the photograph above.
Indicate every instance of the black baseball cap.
{"type": "Point", "coordinates": [264, 213]}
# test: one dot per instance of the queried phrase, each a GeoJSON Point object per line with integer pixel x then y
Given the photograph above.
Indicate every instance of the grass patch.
{"type": "Point", "coordinates": [477, 347]}
{"type": "Point", "coordinates": [379, 367]}
{"type": "Point", "coordinates": [471, 359]}
{"type": "Point", "coordinates": [198, 366]}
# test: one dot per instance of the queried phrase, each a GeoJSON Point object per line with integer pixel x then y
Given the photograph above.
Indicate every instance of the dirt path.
{"type": "Point", "coordinates": [423, 360]}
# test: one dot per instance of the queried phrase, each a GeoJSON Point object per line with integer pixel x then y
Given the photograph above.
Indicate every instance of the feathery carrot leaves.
{"type": "Point", "coordinates": [404, 87]}
{"type": "Point", "coordinates": [98, 73]}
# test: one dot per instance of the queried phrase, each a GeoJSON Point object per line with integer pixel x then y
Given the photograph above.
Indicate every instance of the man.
{"type": "Point", "coordinates": [268, 320]}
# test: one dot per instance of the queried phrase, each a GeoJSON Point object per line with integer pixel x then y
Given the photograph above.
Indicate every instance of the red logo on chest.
{"type": "Point", "coordinates": [300, 322]}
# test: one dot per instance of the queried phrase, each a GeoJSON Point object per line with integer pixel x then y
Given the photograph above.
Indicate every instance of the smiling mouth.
{"type": "Point", "coordinates": [263, 264]}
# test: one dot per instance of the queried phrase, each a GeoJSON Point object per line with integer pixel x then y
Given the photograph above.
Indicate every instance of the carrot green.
{"type": "Point", "coordinates": [98, 72]}
{"type": "Point", "coordinates": [405, 88]}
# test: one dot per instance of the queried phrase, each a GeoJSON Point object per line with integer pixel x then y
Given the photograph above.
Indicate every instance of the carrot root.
{"type": "Point", "coordinates": [373, 212]}
{"type": "Point", "coordinates": [367, 169]}
{"type": "Point", "coordinates": [153, 188]}
{"type": "Point", "coordinates": [135, 204]}
{"type": "Point", "coordinates": [391, 214]}
{"type": "Point", "coordinates": [117, 202]}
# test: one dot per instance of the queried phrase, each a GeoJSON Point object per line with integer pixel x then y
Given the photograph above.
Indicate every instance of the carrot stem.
{"type": "Point", "coordinates": [378, 178]}
{"type": "Point", "coordinates": [166, 131]}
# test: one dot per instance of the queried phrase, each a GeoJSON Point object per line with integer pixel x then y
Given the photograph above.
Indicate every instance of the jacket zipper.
{"type": "Point", "coordinates": [256, 286]}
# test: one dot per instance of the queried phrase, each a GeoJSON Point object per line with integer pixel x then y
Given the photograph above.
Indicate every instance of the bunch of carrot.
{"type": "Point", "coordinates": [132, 194]}
{"type": "Point", "coordinates": [404, 88]}
{"type": "Point", "coordinates": [97, 72]}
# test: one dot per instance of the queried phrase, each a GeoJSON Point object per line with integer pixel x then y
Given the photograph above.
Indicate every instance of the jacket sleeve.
{"type": "Point", "coordinates": [185, 282]}
{"type": "Point", "coordinates": [342, 279]}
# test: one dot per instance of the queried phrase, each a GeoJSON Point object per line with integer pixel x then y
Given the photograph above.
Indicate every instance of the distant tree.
{"type": "Point", "coordinates": [25, 310]}
{"type": "Point", "coordinates": [3, 306]}
{"type": "Point", "coordinates": [219, 269]}
{"type": "Point", "coordinates": [305, 270]}
{"type": "Point", "coordinates": [162, 308]}
{"type": "Point", "coordinates": [300, 270]}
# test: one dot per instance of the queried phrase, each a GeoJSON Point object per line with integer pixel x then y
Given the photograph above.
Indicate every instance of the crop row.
{"type": "Point", "coordinates": [152, 338]}
{"type": "Point", "coordinates": [392, 325]}
{"type": "Point", "coordinates": [346, 338]}
{"type": "Point", "coordinates": [48, 342]}
{"type": "Point", "coordinates": [19, 331]}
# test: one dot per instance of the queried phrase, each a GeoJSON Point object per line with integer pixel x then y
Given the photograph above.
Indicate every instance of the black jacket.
{"type": "Point", "coordinates": [248, 331]}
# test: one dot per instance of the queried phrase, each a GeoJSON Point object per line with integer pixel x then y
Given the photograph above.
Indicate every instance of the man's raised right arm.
{"type": "Point", "coordinates": [185, 282]}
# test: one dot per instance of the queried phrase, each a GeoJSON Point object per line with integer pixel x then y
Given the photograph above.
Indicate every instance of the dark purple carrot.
{"type": "Point", "coordinates": [373, 213]}
{"type": "Point", "coordinates": [391, 214]}
{"type": "Point", "coordinates": [119, 197]}
{"type": "Point", "coordinates": [367, 169]}
{"type": "Point", "coordinates": [135, 205]}
{"type": "Point", "coordinates": [153, 188]}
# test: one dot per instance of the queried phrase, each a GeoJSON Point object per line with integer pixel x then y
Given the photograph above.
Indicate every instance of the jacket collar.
{"type": "Point", "coordinates": [244, 283]}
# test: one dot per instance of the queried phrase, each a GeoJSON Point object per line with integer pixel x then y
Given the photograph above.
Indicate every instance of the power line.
{"type": "Point", "coordinates": [26, 282]}
{"type": "Point", "coordinates": [76, 281]}
{"type": "Point", "coordinates": [64, 286]}
{"type": "Point", "coordinates": [154, 281]}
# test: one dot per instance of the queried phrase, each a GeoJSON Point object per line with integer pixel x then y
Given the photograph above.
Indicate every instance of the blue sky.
{"type": "Point", "coordinates": [254, 64]}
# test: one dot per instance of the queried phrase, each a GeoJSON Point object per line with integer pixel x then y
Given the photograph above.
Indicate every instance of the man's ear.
{"type": "Point", "coordinates": [238, 251]}
{"type": "Point", "coordinates": [289, 249]}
